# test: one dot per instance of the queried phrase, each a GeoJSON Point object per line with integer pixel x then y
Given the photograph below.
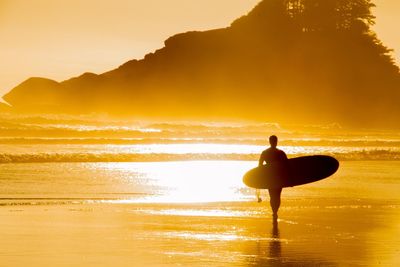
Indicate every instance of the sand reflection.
{"type": "Point", "coordinates": [279, 248]}
{"type": "Point", "coordinates": [275, 250]}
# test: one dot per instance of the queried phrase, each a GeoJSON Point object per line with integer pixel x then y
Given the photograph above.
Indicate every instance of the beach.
{"type": "Point", "coordinates": [150, 133]}
{"type": "Point", "coordinates": [350, 219]}
{"type": "Point", "coordinates": [77, 192]}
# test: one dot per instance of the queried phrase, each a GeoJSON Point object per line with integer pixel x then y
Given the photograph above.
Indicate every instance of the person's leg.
{"type": "Point", "coordinates": [275, 200]}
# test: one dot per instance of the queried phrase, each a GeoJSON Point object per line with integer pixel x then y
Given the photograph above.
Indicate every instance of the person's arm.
{"type": "Point", "coordinates": [261, 160]}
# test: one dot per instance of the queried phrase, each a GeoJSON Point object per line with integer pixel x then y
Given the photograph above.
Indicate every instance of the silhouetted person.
{"type": "Point", "coordinates": [272, 155]}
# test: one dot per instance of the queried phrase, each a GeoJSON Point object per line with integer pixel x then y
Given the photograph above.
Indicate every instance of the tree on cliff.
{"type": "Point", "coordinates": [317, 15]}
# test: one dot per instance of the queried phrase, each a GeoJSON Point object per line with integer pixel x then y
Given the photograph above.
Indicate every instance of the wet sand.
{"type": "Point", "coordinates": [312, 232]}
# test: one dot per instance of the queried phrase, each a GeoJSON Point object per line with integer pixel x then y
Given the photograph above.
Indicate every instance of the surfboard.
{"type": "Point", "coordinates": [293, 172]}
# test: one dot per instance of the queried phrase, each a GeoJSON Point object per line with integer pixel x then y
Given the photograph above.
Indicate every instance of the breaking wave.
{"type": "Point", "coordinates": [159, 157]}
{"type": "Point", "coordinates": [29, 139]}
{"type": "Point", "coordinates": [384, 144]}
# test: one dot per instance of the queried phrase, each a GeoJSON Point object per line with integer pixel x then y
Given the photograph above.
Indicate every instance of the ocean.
{"type": "Point", "coordinates": [79, 191]}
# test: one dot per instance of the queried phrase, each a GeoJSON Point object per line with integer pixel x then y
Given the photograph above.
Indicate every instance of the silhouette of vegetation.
{"type": "Point", "coordinates": [303, 61]}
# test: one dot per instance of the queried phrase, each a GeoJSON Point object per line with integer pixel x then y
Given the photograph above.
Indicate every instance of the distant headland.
{"type": "Point", "coordinates": [285, 61]}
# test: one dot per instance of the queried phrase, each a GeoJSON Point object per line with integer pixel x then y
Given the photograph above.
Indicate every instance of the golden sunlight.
{"type": "Point", "coordinates": [189, 181]}
{"type": "Point", "coordinates": [199, 133]}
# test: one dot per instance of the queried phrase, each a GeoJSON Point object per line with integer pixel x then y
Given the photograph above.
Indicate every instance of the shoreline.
{"type": "Point", "coordinates": [216, 234]}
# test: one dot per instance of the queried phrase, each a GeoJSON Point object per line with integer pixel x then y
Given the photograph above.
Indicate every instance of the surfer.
{"type": "Point", "coordinates": [272, 154]}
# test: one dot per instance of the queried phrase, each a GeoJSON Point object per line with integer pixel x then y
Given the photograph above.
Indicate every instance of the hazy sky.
{"type": "Point", "coordinates": [60, 39]}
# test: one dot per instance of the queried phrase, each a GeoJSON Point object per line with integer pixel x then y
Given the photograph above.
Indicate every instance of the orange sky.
{"type": "Point", "coordinates": [60, 39]}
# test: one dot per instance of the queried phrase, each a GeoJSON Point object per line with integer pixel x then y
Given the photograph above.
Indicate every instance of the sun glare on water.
{"type": "Point", "coordinates": [187, 182]}
{"type": "Point", "coordinates": [201, 181]}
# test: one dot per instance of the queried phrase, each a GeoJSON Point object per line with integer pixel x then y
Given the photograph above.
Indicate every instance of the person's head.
{"type": "Point", "coordinates": [273, 140]}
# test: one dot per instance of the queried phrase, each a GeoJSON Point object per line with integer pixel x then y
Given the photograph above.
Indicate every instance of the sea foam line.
{"type": "Point", "coordinates": [378, 154]}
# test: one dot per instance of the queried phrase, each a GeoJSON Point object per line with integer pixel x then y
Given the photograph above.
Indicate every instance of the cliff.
{"type": "Point", "coordinates": [280, 62]}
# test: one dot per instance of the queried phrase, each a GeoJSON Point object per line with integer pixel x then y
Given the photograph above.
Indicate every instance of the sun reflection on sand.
{"type": "Point", "coordinates": [347, 220]}
{"type": "Point", "coordinates": [204, 213]}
